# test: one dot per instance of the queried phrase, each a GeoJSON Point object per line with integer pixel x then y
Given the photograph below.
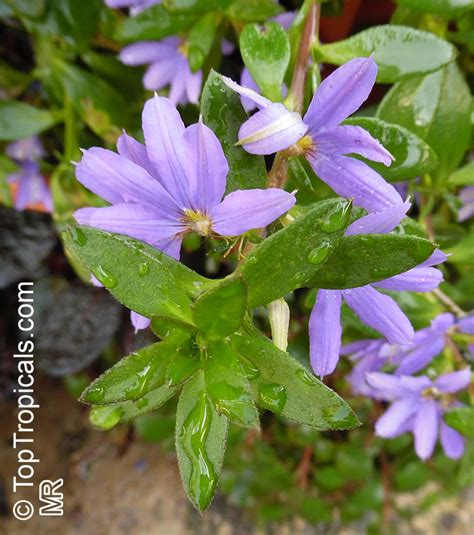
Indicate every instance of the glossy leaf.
{"type": "Point", "coordinates": [196, 6]}
{"type": "Point", "coordinates": [439, 7]}
{"type": "Point", "coordinates": [252, 11]}
{"type": "Point", "coordinates": [219, 311]}
{"type": "Point", "coordinates": [201, 436]}
{"type": "Point", "coordinates": [437, 108]}
{"type": "Point", "coordinates": [461, 419]}
{"type": "Point", "coordinates": [154, 23]}
{"type": "Point", "coordinates": [413, 156]}
{"type": "Point", "coordinates": [223, 113]}
{"type": "Point", "coordinates": [19, 120]}
{"type": "Point", "coordinates": [400, 51]}
{"type": "Point", "coordinates": [363, 259]}
{"type": "Point", "coordinates": [266, 54]}
{"type": "Point", "coordinates": [141, 277]}
{"type": "Point", "coordinates": [201, 39]}
{"type": "Point", "coordinates": [284, 386]}
{"type": "Point", "coordinates": [135, 375]}
{"type": "Point", "coordinates": [227, 385]}
{"type": "Point", "coordinates": [463, 176]}
{"type": "Point", "coordinates": [289, 258]}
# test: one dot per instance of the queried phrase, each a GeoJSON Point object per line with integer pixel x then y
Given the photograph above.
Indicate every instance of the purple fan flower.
{"type": "Point", "coordinates": [32, 189]}
{"type": "Point", "coordinates": [168, 66]}
{"type": "Point", "coordinates": [418, 405]}
{"type": "Point", "coordinates": [172, 186]}
{"type": "Point", "coordinates": [467, 210]}
{"type": "Point", "coordinates": [321, 138]}
{"type": "Point", "coordinates": [366, 355]}
{"type": "Point", "coordinates": [375, 309]}
{"type": "Point", "coordinates": [136, 6]}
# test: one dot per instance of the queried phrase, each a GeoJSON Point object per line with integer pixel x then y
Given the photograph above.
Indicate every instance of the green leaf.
{"type": "Point", "coordinates": [413, 156]}
{"type": "Point", "coordinates": [463, 176]}
{"type": "Point", "coordinates": [400, 51]}
{"type": "Point", "coordinates": [153, 23]}
{"type": "Point", "coordinates": [462, 419]}
{"type": "Point", "coordinates": [285, 387]}
{"type": "Point", "coordinates": [223, 113]}
{"type": "Point", "coordinates": [437, 108]}
{"type": "Point", "coordinates": [219, 311]}
{"type": "Point", "coordinates": [439, 7]}
{"type": "Point", "coordinates": [266, 54]}
{"type": "Point", "coordinates": [135, 375]}
{"type": "Point", "coordinates": [201, 436]}
{"type": "Point", "coordinates": [363, 259]}
{"type": "Point", "coordinates": [201, 39]}
{"type": "Point", "coordinates": [138, 275]}
{"type": "Point", "coordinates": [252, 11]}
{"type": "Point", "coordinates": [227, 385]}
{"type": "Point", "coordinates": [19, 120]}
{"type": "Point", "coordinates": [196, 6]}
{"type": "Point", "coordinates": [289, 258]}
{"type": "Point", "coordinates": [27, 8]}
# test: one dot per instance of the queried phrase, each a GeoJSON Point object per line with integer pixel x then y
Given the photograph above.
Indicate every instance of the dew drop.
{"type": "Point", "coordinates": [335, 221]}
{"type": "Point", "coordinates": [141, 403]}
{"type": "Point", "coordinates": [319, 253]}
{"type": "Point", "coordinates": [143, 269]}
{"type": "Point", "coordinates": [305, 377]}
{"type": "Point", "coordinates": [103, 276]}
{"type": "Point", "coordinates": [78, 236]}
{"type": "Point", "coordinates": [105, 417]}
{"type": "Point", "coordinates": [273, 397]}
{"type": "Point", "coordinates": [95, 395]}
{"type": "Point", "coordinates": [250, 370]}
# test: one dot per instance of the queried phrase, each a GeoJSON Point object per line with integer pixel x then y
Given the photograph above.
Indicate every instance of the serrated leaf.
{"type": "Point", "coordinates": [363, 259]}
{"type": "Point", "coordinates": [289, 258]}
{"type": "Point", "coordinates": [141, 277]}
{"type": "Point", "coordinates": [223, 113]}
{"type": "Point", "coordinates": [399, 51]}
{"type": "Point", "coordinates": [201, 436]}
{"type": "Point", "coordinates": [266, 54]}
{"type": "Point", "coordinates": [19, 120]}
{"type": "Point", "coordinates": [285, 387]}
{"type": "Point", "coordinates": [413, 156]}
{"type": "Point", "coordinates": [220, 310]}
{"type": "Point", "coordinates": [135, 375]}
{"type": "Point", "coordinates": [437, 108]}
{"type": "Point", "coordinates": [461, 419]}
{"type": "Point", "coordinates": [227, 385]}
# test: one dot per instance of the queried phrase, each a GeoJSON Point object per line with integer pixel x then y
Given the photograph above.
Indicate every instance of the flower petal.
{"type": "Point", "coordinates": [438, 257]}
{"type": "Point", "coordinates": [145, 52]}
{"type": "Point", "coordinates": [139, 321]}
{"type": "Point", "coordinates": [380, 312]}
{"type": "Point", "coordinates": [164, 130]}
{"type": "Point", "coordinates": [271, 129]}
{"type": "Point", "coordinates": [248, 209]}
{"type": "Point", "coordinates": [177, 93]}
{"type": "Point", "coordinates": [425, 428]}
{"type": "Point", "coordinates": [419, 279]}
{"type": "Point", "coordinates": [421, 355]}
{"type": "Point", "coordinates": [133, 150]}
{"type": "Point", "coordinates": [341, 94]}
{"type": "Point", "coordinates": [159, 74]}
{"type": "Point", "coordinates": [325, 332]}
{"type": "Point", "coordinates": [119, 180]}
{"type": "Point", "coordinates": [395, 419]}
{"type": "Point", "coordinates": [453, 382]}
{"type": "Point", "coordinates": [389, 386]}
{"type": "Point", "coordinates": [141, 222]}
{"type": "Point", "coordinates": [348, 139]}
{"type": "Point", "coordinates": [379, 222]}
{"type": "Point", "coordinates": [354, 179]}
{"type": "Point", "coordinates": [466, 325]}
{"type": "Point", "coordinates": [193, 85]}
{"type": "Point", "coordinates": [246, 80]}
{"type": "Point", "coordinates": [247, 92]}
{"type": "Point", "coordinates": [207, 167]}
{"type": "Point", "coordinates": [452, 441]}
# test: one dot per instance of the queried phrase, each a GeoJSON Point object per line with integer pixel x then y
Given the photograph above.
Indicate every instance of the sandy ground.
{"type": "Point", "coordinates": [115, 485]}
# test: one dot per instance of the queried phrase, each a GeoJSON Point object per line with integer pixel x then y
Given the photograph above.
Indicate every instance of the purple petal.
{"type": "Point", "coordinates": [354, 179]}
{"type": "Point", "coordinates": [96, 282]}
{"type": "Point", "coordinates": [341, 94]}
{"type": "Point", "coordinates": [119, 180]}
{"type": "Point", "coordinates": [416, 359]}
{"type": "Point", "coordinates": [425, 428]}
{"type": "Point", "coordinates": [419, 279]}
{"type": "Point", "coordinates": [452, 441]}
{"type": "Point", "coordinates": [389, 386]}
{"type": "Point", "coordinates": [141, 222]}
{"type": "Point", "coordinates": [164, 130]}
{"type": "Point", "coordinates": [139, 321]}
{"type": "Point", "coordinates": [453, 382]}
{"type": "Point", "coordinates": [271, 129]}
{"type": "Point", "coordinates": [141, 5]}
{"type": "Point", "coordinates": [246, 80]}
{"type": "Point", "coordinates": [379, 222]}
{"type": "Point", "coordinates": [159, 74]}
{"type": "Point", "coordinates": [227, 47]}
{"type": "Point", "coordinates": [146, 52]}
{"type": "Point", "coordinates": [358, 377]}
{"type": "Point", "coordinates": [353, 140]}
{"type": "Point", "coordinates": [361, 347]}
{"type": "Point", "coordinates": [394, 421]}
{"type": "Point", "coordinates": [325, 332]}
{"type": "Point", "coordinates": [442, 323]}
{"type": "Point", "coordinates": [171, 246]}
{"type": "Point", "coordinates": [466, 212]}
{"type": "Point", "coordinates": [130, 148]}
{"type": "Point", "coordinates": [207, 167]}
{"type": "Point", "coordinates": [380, 312]}
{"type": "Point", "coordinates": [177, 93]}
{"type": "Point", "coordinates": [466, 325]}
{"type": "Point", "coordinates": [285, 19]}
{"type": "Point", "coordinates": [247, 92]}
{"type": "Point", "coordinates": [29, 148]}
{"type": "Point", "coordinates": [193, 86]}
{"type": "Point", "coordinates": [243, 210]}
{"type": "Point", "coordinates": [438, 257]}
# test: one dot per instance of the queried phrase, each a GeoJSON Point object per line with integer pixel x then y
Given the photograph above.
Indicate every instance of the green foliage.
{"type": "Point", "coordinates": [440, 7]}
{"type": "Point", "coordinates": [462, 419]}
{"type": "Point", "coordinates": [19, 120]}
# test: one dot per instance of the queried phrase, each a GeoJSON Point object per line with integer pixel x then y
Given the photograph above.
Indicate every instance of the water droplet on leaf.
{"type": "Point", "coordinates": [319, 253]}
{"type": "Point", "coordinates": [273, 397]}
{"type": "Point", "coordinates": [106, 278]}
{"type": "Point", "coordinates": [305, 377]}
{"type": "Point", "coordinates": [78, 236]}
{"type": "Point", "coordinates": [143, 269]}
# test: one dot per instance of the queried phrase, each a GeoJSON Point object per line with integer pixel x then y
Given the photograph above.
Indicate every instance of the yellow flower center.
{"type": "Point", "coordinates": [184, 48]}
{"type": "Point", "coordinates": [198, 222]}
{"type": "Point", "coordinates": [301, 147]}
